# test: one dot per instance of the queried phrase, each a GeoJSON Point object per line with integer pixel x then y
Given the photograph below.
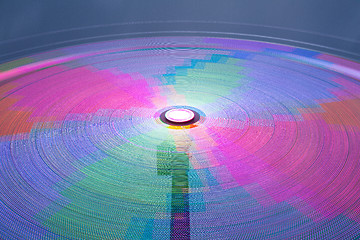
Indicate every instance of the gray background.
{"type": "Point", "coordinates": [32, 26]}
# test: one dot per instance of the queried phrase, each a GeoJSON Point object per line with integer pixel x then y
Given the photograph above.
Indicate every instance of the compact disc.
{"type": "Point", "coordinates": [180, 137]}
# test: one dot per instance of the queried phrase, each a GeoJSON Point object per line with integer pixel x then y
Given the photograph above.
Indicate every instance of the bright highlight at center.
{"type": "Point", "coordinates": [179, 115]}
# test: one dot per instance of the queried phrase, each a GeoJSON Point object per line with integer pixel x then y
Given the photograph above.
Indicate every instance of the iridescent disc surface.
{"type": "Point", "coordinates": [274, 153]}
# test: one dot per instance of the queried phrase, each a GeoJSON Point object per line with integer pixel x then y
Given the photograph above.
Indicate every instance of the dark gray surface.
{"type": "Point", "coordinates": [326, 25]}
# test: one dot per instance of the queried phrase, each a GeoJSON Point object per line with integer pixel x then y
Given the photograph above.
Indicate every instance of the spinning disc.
{"type": "Point", "coordinates": [272, 150]}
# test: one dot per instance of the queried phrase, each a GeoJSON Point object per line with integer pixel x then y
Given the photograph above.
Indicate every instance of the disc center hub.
{"type": "Point", "coordinates": [179, 115]}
